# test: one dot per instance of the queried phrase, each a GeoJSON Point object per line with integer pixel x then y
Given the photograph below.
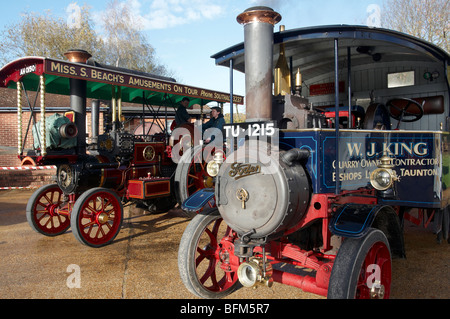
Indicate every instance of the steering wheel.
{"type": "Point", "coordinates": [399, 108]}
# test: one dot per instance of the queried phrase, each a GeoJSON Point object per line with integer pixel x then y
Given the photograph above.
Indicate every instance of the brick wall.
{"type": "Point", "coordinates": [9, 137]}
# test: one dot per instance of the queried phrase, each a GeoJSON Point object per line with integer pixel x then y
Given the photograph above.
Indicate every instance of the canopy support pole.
{"type": "Point", "coordinates": [43, 124]}
{"type": "Point", "coordinates": [231, 91]}
{"type": "Point", "coordinates": [336, 115]}
{"type": "Point", "coordinates": [349, 77]}
{"type": "Point", "coordinates": [19, 116]}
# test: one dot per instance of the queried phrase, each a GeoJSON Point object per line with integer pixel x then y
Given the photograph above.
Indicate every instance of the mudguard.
{"type": "Point", "coordinates": [198, 200]}
{"type": "Point", "coordinates": [355, 220]}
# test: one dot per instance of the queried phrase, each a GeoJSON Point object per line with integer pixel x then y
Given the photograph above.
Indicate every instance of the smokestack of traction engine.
{"type": "Point", "coordinates": [258, 28]}
{"type": "Point", "coordinates": [78, 98]}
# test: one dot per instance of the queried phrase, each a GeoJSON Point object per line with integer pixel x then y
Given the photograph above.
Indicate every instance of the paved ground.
{"type": "Point", "coordinates": [142, 262]}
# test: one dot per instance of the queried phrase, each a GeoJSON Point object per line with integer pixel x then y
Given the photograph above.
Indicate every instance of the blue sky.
{"type": "Point", "coordinates": [185, 33]}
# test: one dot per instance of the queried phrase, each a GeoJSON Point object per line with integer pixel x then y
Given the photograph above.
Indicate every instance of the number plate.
{"type": "Point", "coordinates": [252, 129]}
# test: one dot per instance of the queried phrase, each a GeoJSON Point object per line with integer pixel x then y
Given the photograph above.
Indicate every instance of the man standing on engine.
{"type": "Point", "coordinates": [182, 116]}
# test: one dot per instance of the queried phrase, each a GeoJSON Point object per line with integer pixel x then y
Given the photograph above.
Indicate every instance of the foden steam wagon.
{"type": "Point", "coordinates": [353, 135]}
{"type": "Point", "coordinates": [95, 177]}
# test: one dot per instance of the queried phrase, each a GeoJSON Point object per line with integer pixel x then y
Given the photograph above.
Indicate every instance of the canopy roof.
{"type": "Point", "coordinates": [100, 79]}
{"type": "Point", "coordinates": [312, 48]}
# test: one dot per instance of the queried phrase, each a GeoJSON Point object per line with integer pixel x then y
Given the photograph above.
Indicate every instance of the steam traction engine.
{"type": "Point", "coordinates": [95, 180]}
{"type": "Point", "coordinates": [302, 201]}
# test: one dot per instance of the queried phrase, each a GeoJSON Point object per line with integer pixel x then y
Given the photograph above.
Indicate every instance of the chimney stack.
{"type": "Point", "coordinates": [78, 96]}
{"type": "Point", "coordinates": [77, 56]}
{"type": "Point", "coordinates": [258, 41]}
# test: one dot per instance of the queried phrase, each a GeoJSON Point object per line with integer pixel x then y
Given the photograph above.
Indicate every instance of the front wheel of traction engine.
{"type": "Point", "coordinates": [206, 260]}
{"type": "Point", "coordinates": [97, 217]}
{"type": "Point", "coordinates": [42, 211]}
{"type": "Point", "coordinates": [362, 269]}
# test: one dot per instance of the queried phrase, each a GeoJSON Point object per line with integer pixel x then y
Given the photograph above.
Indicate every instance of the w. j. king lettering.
{"type": "Point", "coordinates": [389, 149]}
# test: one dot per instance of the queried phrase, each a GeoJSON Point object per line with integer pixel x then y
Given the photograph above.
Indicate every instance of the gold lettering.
{"type": "Point", "coordinates": [206, 94]}
{"type": "Point", "coordinates": [55, 67]}
{"type": "Point", "coordinates": [190, 91]}
{"type": "Point", "coordinates": [239, 171]}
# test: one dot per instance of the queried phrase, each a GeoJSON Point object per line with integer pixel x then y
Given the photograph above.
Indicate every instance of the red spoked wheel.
{"type": "Point", "coordinates": [206, 260]}
{"type": "Point", "coordinates": [97, 217]}
{"type": "Point", "coordinates": [362, 269]}
{"type": "Point", "coordinates": [43, 211]}
{"type": "Point", "coordinates": [191, 175]}
{"type": "Point", "coordinates": [375, 275]}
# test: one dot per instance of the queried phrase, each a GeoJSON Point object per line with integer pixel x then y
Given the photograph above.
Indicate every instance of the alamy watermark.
{"type": "Point", "coordinates": [374, 279]}
{"type": "Point", "coordinates": [74, 279]}
{"type": "Point", "coordinates": [374, 17]}
{"type": "Point", "coordinates": [73, 11]}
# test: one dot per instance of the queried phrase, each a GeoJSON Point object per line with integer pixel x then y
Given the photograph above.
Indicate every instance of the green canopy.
{"type": "Point", "coordinates": [102, 81]}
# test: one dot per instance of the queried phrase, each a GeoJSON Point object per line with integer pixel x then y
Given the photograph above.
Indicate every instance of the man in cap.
{"type": "Point", "coordinates": [217, 121]}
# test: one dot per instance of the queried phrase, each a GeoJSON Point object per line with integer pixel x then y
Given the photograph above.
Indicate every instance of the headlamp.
{"type": "Point", "coordinates": [384, 176]}
{"type": "Point", "coordinates": [213, 167]}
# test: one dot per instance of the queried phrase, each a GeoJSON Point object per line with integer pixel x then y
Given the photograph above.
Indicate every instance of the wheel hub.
{"type": "Point", "coordinates": [224, 257]}
{"type": "Point", "coordinates": [209, 182]}
{"type": "Point", "coordinates": [53, 210]}
{"type": "Point", "coordinates": [102, 218]}
{"type": "Point", "coordinates": [377, 291]}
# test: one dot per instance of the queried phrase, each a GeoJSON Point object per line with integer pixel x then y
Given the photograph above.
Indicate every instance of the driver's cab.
{"type": "Point", "coordinates": [400, 82]}
{"type": "Point", "coordinates": [422, 105]}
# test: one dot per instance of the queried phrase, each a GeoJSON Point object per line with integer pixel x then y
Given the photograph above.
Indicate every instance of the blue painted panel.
{"type": "Point", "coordinates": [417, 157]}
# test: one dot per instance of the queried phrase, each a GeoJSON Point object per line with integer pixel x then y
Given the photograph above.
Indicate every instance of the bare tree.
{"type": "Point", "coordinates": [48, 36]}
{"type": "Point", "coordinates": [122, 44]}
{"type": "Point", "coordinates": [426, 19]}
{"type": "Point", "coordinates": [127, 45]}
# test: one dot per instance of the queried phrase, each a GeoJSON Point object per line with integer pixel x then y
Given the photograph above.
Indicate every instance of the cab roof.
{"type": "Point", "coordinates": [312, 48]}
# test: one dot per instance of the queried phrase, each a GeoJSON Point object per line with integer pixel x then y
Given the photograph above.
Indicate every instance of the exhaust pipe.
{"type": "Point", "coordinates": [95, 121]}
{"type": "Point", "coordinates": [258, 41]}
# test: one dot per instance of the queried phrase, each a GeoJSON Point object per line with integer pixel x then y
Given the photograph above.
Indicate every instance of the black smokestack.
{"type": "Point", "coordinates": [78, 99]}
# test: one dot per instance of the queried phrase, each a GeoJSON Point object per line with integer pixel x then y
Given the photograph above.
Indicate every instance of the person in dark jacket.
{"type": "Point", "coordinates": [217, 121]}
{"type": "Point", "coordinates": [182, 116]}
